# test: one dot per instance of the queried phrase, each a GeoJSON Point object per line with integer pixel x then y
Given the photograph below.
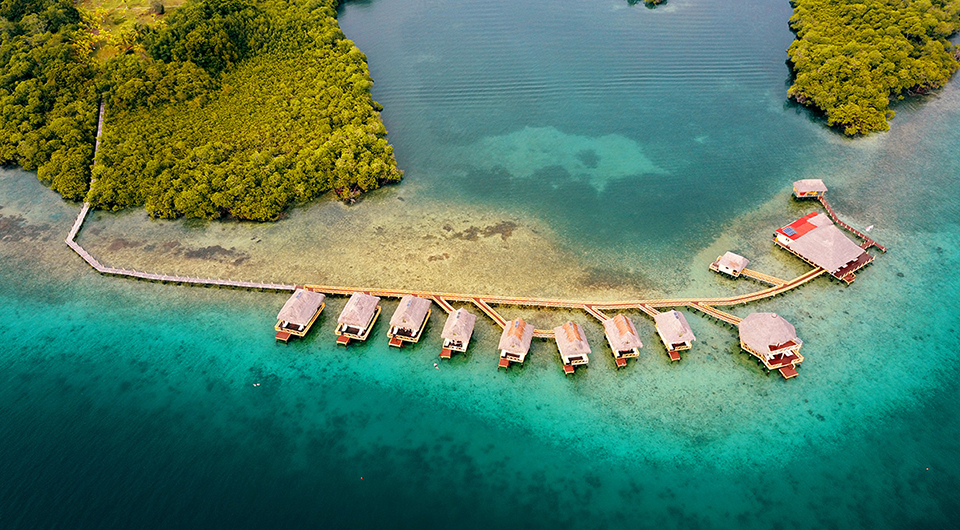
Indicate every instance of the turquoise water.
{"type": "Point", "coordinates": [648, 139]}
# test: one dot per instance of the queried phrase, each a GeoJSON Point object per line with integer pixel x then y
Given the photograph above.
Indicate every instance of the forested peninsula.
{"type": "Point", "coordinates": [852, 56]}
{"type": "Point", "coordinates": [224, 108]}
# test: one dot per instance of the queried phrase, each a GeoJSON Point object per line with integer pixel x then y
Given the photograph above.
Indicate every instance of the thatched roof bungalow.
{"type": "Point", "coordinates": [298, 314]}
{"type": "Point", "coordinates": [675, 332]}
{"type": "Point", "coordinates": [809, 188]}
{"type": "Point", "coordinates": [457, 331]}
{"type": "Point", "coordinates": [515, 342]}
{"type": "Point", "coordinates": [572, 345]}
{"type": "Point", "coordinates": [358, 317]}
{"type": "Point", "coordinates": [408, 320]}
{"type": "Point", "coordinates": [730, 264]}
{"type": "Point", "coordinates": [772, 340]}
{"type": "Point", "coordinates": [623, 338]}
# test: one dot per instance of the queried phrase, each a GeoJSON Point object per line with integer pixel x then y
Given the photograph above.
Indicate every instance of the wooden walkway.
{"type": "Point", "coordinates": [596, 313]}
{"type": "Point", "coordinates": [151, 276]}
{"type": "Point", "coordinates": [707, 306]}
{"type": "Point", "coordinates": [761, 277]}
{"type": "Point", "coordinates": [867, 241]}
{"type": "Point", "coordinates": [717, 314]}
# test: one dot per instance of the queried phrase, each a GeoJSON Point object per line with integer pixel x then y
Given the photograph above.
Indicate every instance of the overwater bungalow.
{"type": "Point", "coordinates": [674, 332]}
{"type": "Point", "coordinates": [298, 314]}
{"type": "Point", "coordinates": [572, 345]}
{"type": "Point", "coordinates": [773, 341]}
{"type": "Point", "coordinates": [515, 342]}
{"type": "Point", "coordinates": [623, 338]}
{"type": "Point", "coordinates": [357, 318]}
{"type": "Point", "coordinates": [457, 332]}
{"type": "Point", "coordinates": [730, 264]}
{"type": "Point", "coordinates": [809, 188]}
{"type": "Point", "coordinates": [815, 239]}
{"type": "Point", "coordinates": [408, 320]}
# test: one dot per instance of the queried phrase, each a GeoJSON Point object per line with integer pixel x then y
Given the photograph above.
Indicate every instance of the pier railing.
{"type": "Point", "coordinates": [867, 240]}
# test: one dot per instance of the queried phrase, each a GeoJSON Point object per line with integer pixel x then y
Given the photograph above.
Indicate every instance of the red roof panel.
{"type": "Point", "coordinates": [800, 227]}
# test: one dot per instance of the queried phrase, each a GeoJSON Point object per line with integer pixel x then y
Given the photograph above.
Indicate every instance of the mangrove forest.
{"type": "Point", "coordinates": [222, 108]}
{"type": "Point", "coordinates": [851, 57]}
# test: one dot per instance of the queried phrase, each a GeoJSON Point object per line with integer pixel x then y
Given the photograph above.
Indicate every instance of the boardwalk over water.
{"type": "Point", "coordinates": [485, 303]}
{"type": "Point", "coordinates": [867, 241]}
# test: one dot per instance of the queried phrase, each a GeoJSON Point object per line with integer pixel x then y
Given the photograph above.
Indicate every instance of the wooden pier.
{"type": "Point", "coordinates": [761, 277]}
{"type": "Point", "coordinates": [867, 240]}
{"type": "Point", "coordinates": [707, 306]}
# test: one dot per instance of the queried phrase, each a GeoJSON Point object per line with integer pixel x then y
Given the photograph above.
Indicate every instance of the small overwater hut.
{"type": "Point", "coordinates": [457, 332]}
{"type": "Point", "coordinates": [773, 341]}
{"type": "Point", "coordinates": [674, 332]}
{"type": "Point", "coordinates": [298, 314]}
{"type": "Point", "coordinates": [408, 320]}
{"type": "Point", "coordinates": [809, 188]}
{"type": "Point", "coordinates": [515, 342]}
{"type": "Point", "coordinates": [357, 318]}
{"type": "Point", "coordinates": [815, 239]}
{"type": "Point", "coordinates": [730, 264]}
{"type": "Point", "coordinates": [572, 345]}
{"type": "Point", "coordinates": [623, 338]}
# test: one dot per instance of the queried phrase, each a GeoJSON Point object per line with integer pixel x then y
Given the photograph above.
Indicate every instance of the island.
{"type": "Point", "coordinates": [851, 58]}
{"type": "Point", "coordinates": [222, 108]}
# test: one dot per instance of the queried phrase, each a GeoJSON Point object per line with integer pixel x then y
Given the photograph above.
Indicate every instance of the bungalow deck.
{"type": "Point", "coordinates": [449, 348]}
{"type": "Point", "coordinates": [785, 364]}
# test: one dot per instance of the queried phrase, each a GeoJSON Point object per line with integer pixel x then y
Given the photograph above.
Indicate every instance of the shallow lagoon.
{"type": "Point", "coordinates": [132, 404]}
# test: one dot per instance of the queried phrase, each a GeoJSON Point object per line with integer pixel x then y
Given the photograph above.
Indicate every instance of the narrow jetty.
{"type": "Point", "coordinates": [867, 240]}
{"type": "Point", "coordinates": [517, 334]}
{"type": "Point", "coordinates": [761, 277]}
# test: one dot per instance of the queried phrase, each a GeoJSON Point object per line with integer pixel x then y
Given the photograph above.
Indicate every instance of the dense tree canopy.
{"type": "Point", "coordinates": [852, 56]}
{"type": "Point", "coordinates": [48, 98]}
{"type": "Point", "coordinates": [236, 108]}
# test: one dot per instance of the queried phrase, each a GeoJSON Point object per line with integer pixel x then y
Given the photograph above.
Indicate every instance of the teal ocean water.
{"type": "Point", "coordinates": [596, 149]}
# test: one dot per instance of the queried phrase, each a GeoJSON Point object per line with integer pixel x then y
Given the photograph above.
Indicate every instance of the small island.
{"type": "Point", "coordinates": [851, 58]}
{"type": "Point", "coordinates": [219, 108]}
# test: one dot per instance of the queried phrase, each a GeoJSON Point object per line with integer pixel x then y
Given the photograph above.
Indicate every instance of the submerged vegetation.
{"type": "Point", "coordinates": [230, 107]}
{"type": "Point", "coordinates": [852, 56]}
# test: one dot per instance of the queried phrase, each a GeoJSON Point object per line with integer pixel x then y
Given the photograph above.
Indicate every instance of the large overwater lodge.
{"type": "Point", "coordinates": [572, 345]}
{"type": "Point", "coordinates": [457, 332]}
{"type": "Point", "coordinates": [623, 338]}
{"type": "Point", "coordinates": [408, 320]}
{"type": "Point", "coordinates": [357, 318]}
{"type": "Point", "coordinates": [515, 342]}
{"type": "Point", "coordinates": [773, 341]}
{"type": "Point", "coordinates": [298, 314]}
{"type": "Point", "coordinates": [675, 333]}
{"type": "Point", "coordinates": [815, 239]}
